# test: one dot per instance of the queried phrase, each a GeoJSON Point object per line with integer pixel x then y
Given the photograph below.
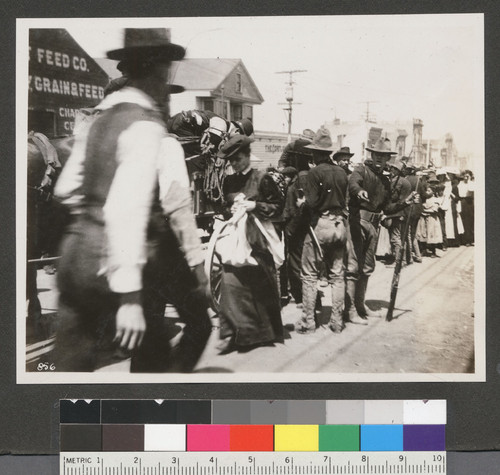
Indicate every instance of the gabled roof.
{"type": "Point", "coordinates": [208, 74]}
{"type": "Point", "coordinates": [202, 74]}
{"type": "Point", "coordinates": [205, 74]}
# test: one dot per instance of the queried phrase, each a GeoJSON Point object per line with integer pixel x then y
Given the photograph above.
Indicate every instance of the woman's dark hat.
{"type": "Point", "coordinates": [148, 43]}
{"type": "Point", "coordinates": [343, 152]}
{"type": "Point", "coordinates": [234, 145]}
{"type": "Point", "coordinates": [245, 126]}
{"type": "Point", "coordinates": [382, 146]}
{"type": "Point", "coordinates": [322, 141]}
{"type": "Point", "coordinates": [289, 171]}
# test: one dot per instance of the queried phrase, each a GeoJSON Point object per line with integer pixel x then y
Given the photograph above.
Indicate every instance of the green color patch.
{"type": "Point", "coordinates": [339, 438]}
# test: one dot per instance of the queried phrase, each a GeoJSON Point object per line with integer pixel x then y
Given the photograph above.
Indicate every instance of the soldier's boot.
{"type": "Point", "coordinates": [336, 324]}
{"type": "Point", "coordinates": [350, 313]}
{"type": "Point", "coordinates": [363, 310]}
{"type": "Point", "coordinates": [307, 322]}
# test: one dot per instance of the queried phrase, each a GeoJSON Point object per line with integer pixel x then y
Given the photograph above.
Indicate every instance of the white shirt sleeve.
{"type": "Point", "coordinates": [171, 165]}
{"type": "Point", "coordinates": [128, 206]}
{"type": "Point", "coordinates": [71, 178]}
{"type": "Point", "coordinates": [176, 200]}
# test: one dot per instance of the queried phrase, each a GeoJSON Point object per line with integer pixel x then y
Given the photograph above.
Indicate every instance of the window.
{"type": "Point", "coordinates": [222, 108]}
{"type": "Point", "coordinates": [238, 83]}
{"type": "Point", "coordinates": [236, 112]}
{"type": "Point", "coordinates": [248, 112]}
{"type": "Point", "coordinates": [207, 105]}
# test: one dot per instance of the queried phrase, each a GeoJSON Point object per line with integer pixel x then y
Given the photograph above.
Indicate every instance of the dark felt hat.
{"type": "Point", "coordinates": [245, 126]}
{"type": "Point", "coordinates": [234, 145]}
{"type": "Point", "coordinates": [382, 146]}
{"type": "Point", "coordinates": [307, 134]}
{"type": "Point", "coordinates": [118, 83]}
{"type": "Point", "coordinates": [398, 164]}
{"type": "Point", "coordinates": [322, 141]}
{"type": "Point", "coordinates": [432, 177]}
{"type": "Point", "coordinates": [289, 171]}
{"type": "Point", "coordinates": [343, 152]}
{"type": "Point", "coordinates": [140, 43]}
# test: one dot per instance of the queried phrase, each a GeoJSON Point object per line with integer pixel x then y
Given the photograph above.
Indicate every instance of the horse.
{"type": "Point", "coordinates": [45, 218]}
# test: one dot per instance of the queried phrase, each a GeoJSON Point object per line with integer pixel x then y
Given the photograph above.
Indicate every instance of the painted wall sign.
{"type": "Point", "coordinates": [62, 79]}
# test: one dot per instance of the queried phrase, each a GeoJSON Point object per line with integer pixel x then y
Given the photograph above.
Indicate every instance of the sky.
{"type": "Point", "coordinates": [429, 67]}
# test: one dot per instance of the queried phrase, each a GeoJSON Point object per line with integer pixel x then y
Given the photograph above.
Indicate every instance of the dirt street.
{"type": "Point", "coordinates": [433, 328]}
{"type": "Point", "coordinates": [432, 332]}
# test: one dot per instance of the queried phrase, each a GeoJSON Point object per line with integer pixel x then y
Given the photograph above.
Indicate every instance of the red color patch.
{"type": "Point", "coordinates": [252, 438]}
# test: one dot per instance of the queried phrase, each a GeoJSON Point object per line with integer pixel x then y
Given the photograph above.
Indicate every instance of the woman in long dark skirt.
{"type": "Point", "coordinates": [250, 305]}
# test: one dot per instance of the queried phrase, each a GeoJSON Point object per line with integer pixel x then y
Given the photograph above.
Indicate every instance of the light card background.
{"type": "Point", "coordinates": [30, 415]}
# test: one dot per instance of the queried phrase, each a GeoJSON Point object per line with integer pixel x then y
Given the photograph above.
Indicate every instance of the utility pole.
{"type": "Point", "coordinates": [222, 101]}
{"type": "Point", "coordinates": [289, 97]}
{"type": "Point", "coordinates": [367, 117]}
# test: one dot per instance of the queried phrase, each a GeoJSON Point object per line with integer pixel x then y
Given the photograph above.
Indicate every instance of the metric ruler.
{"type": "Point", "coordinates": [251, 463]}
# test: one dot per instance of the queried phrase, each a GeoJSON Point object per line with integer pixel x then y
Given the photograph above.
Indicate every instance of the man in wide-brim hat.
{"type": "Point", "coordinates": [326, 189]}
{"type": "Point", "coordinates": [400, 190]}
{"type": "Point", "coordinates": [296, 155]}
{"type": "Point", "coordinates": [342, 157]}
{"type": "Point", "coordinates": [125, 175]}
{"type": "Point", "coordinates": [369, 199]}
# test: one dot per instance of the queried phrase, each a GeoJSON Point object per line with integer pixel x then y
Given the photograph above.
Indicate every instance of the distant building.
{"type": "Point", "coordinates": [269, 146]}
{"type": "Point", "coordinates": [407, 139]}
{"type": "Point", "coordinates": [443, 152]}
{"type": "Point", "coordinates": [360, 134]}
{"type": "Point", "coordinates": [222, 86]}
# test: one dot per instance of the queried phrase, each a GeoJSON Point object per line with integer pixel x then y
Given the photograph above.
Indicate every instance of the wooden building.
{"type": "Point", "coordinates": [62, 79]}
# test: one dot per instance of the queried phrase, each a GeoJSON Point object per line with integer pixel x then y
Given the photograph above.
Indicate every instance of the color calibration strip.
{"type": "Point", "coordinates": [252, 426]}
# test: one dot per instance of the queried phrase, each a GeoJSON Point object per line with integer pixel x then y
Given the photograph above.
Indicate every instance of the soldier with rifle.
{"type": "Point", "coordinates": [325, 245]}
{"type": "Point", "coordinates": [369, 199]}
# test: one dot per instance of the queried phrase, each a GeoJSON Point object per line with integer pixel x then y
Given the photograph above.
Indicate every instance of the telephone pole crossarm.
{"type": "Point", "coordinates": [289, 97]}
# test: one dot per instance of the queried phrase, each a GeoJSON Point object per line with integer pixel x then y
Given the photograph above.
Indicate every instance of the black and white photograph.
{"type": "Point", "coordinates": [250, 199]}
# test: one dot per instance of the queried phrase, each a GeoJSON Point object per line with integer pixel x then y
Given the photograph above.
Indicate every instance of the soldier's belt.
{"type": "Point", "coordinates": [373, 218]}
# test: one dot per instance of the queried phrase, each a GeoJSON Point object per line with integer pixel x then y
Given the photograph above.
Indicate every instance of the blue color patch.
{"type": "Point", "coordinates": [381, 437]}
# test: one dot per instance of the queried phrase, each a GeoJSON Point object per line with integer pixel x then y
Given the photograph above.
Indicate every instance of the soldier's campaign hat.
{"type": "Point", "coordinates": [397, 164]}
{"type": "Point", "coordinates": [382, 146]}
{"type": "Point", "coordinates": [432, 177]}
{"type": "Point", "coordinates": [322, 141]}
{"type": "Point", "coordinates": [343, 152]}
{"type": "Point", "coordinates": [234, 145]}
{"type": "Point", "coordinates": [140, 43]}
{"type": "Point", "coordinates": [307, 134]}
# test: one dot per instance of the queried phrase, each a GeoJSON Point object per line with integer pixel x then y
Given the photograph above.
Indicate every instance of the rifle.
{"type": "Point", "coordinates": [317, 246]}
{"type": "Point", "coordinates": [399, 263]}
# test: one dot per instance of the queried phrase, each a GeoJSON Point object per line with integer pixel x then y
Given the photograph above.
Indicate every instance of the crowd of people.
{"type": "Point", "coordinates": [337, 220]}
{"type": "Point", "coordinates": [132, 245]}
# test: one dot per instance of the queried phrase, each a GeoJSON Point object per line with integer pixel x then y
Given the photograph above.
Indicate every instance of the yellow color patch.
{"type": "Point", "coordinates": [296, 438]}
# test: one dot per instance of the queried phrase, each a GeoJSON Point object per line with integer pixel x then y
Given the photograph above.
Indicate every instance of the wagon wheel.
{"type": "Point", "coordinates": [213, 268]}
